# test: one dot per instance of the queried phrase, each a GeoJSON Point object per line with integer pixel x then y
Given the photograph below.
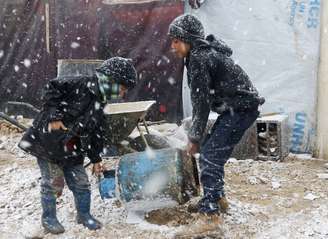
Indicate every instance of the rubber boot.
{"type": "Point", "coordinates": [49, 219]}
{"type": "Point", "coordinates": [82, 203]}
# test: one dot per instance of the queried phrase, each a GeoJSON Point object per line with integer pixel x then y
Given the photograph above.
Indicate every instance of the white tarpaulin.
{"type": "Point", "coordinates": [277, 43]}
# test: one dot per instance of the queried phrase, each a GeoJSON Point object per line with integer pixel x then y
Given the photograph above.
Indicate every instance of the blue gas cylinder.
{"type": "Point", "coordinates": [154, 174]}
{"type": "Point", "coordinates": [163, 173]}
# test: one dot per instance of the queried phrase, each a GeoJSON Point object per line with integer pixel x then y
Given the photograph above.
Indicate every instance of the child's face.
{"type": "Point", "coordinates": [123, 91]}
{"type": "Point", "coordinates": [180, 48]}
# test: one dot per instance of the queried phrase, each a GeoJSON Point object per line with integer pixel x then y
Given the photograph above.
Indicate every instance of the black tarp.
{"type": "Point", "coordinates": [25, 64]}
{"type": "Point", "coordinates": [84, 29]}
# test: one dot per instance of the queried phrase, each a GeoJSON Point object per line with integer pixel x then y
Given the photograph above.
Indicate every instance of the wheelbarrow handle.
{"type": "Point", "coordinates": [29, 106]}
{"type": "Point", "coordinates": [12, 121]}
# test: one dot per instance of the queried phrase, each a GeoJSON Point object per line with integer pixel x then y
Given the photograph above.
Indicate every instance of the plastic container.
{"type": "Point", "coordinates": [156, 174]}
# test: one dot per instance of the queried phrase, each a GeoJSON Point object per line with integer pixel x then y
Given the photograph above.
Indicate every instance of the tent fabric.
{"type": "Point", "coordinates": [90, 30]}
{"type": "Point", "coordinates": [24, 59]}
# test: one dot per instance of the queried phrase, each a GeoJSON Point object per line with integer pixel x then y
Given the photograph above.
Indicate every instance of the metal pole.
{"type": "Point", "coordinates": [47, 16]}
{"type": "Point", "coordinates": [321, 149]}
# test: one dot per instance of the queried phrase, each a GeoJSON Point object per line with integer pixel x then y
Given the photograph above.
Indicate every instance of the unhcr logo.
{"type": "Point", "coordinates": [298, 132]}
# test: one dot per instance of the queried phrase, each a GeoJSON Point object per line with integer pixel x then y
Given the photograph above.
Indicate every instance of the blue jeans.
{"type": "Point", "coordinates": [216, 150]}
{"type": "Point", "coordinates": [54, 175]}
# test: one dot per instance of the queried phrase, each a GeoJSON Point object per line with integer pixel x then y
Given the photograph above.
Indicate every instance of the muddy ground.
{"type": "Point", "coordinates": [286, 199]}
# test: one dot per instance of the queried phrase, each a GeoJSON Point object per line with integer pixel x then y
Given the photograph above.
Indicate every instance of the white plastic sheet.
{"type": "Point", "coordinates": [277, 43]}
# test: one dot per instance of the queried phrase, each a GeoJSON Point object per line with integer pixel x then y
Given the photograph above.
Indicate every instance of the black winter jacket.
{"type": "Point", "coordinates": [216, 83]}
{"type": "Point", "coordinates": [76, 102]}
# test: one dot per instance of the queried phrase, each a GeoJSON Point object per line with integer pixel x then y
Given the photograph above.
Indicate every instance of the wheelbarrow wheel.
{"type": "Point", "coordinates": [154, 141]}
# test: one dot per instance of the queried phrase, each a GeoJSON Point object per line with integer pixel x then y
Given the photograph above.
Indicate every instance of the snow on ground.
{"type": "Point", "coordinates": [20, 204]}
{"type": "Point", "coordinates": [268, 200]}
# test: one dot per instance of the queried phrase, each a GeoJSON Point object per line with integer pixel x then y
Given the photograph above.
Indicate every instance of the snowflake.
{"type": "Point", "coordinates": [27, 63]}
{"type": "Point", "coordinates": [171, 80]}
{"type": "Point", "coordinates": [75, 45]}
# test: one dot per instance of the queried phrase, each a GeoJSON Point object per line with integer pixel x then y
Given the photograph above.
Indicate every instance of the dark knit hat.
{"type": "Point", "coordinates": [120, 70]}
{"type": "Point", "coordinates": [186, 28]}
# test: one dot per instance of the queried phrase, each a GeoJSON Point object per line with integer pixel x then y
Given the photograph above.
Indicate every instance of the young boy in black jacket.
{"type": "Point", "coordinates": [220, 85]}
{"type": "Point", "coordinates": [68, 128]}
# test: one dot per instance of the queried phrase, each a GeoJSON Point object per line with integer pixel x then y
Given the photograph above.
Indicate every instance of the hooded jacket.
{"type": "Point", "coordinates": [216, 83]}
{"type": "Point", "coordinates": [76, 101]}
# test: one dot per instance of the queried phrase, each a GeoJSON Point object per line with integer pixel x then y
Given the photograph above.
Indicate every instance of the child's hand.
{"type": "Point", "coordinates": [56, 125]}
{"type": "Point", "coordinates": [97, 169]}
{"type": "Point", "coordinates": [192, 148]}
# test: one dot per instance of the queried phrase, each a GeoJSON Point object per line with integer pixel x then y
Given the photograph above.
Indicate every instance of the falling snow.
{"type": "Point", "coordinates": [97, 105]}
{"type": "Point", "coordinates": [16, 68]}
{"type": "Point", "coordinates": [75, 45]}
{"type": "Point", "coordinates": [268, 199]}
{"type": "Point", "coordinates": [171, 80]}
{"type": "Point", "coordinates": [27, 63]}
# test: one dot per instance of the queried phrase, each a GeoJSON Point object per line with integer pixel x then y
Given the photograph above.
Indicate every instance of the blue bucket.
{"type": "Point", "coordinates": [107, 185]}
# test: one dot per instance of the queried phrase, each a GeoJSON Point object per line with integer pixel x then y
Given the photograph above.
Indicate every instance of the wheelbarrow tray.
{"type": "Point", "coordinates": [122, 118]}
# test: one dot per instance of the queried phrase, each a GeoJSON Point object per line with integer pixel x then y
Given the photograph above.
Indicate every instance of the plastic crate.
{"type": "Point", "coordinates": [267, 139]}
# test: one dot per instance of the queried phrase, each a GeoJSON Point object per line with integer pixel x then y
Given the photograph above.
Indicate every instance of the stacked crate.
{"type": "Point", "coordinates": [267, 139]}
{"type": "Point", "coordinates": [272, 137]}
